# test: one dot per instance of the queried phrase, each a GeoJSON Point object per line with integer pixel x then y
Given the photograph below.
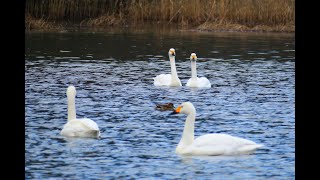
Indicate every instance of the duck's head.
{"type": "Point", "coordinates": [168, 106]}
{"type": "Point", "coordinates": [184, 108]}
{"type": "Point", "coordinates": [172, 52]}
{"type": "Point", "coordinates": [71, 91]}
{"type": "Point", "coordinates": [193, 57]}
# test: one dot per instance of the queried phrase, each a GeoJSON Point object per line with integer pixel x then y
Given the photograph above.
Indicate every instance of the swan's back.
{"type": "Point", "coordinates": [81, 128]}
{"type": "Point", "coordinates": [199, 82]}
{"type": "Point", "coordinates": [204, 82]}
{"type": "Point", "coordinates": [166, 80]}
{"type": "Point", "coordinates": [162, 80]}
{"type": "Point", "coordinates": [222, 144]}
{"type": "Point", "coordinates": [218, 139]}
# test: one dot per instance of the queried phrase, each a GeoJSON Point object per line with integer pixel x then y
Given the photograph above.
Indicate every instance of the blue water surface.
{"type": "Point", "coordinates": [252, 96]}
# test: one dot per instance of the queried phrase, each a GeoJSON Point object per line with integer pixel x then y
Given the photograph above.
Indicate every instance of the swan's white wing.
{"type": "Point", "coordinates": [162, 80]}
{"type": "Point", "coordinates": [217, 144]}
{"type": "Point", "coordinates": [198, 82]}
{"type": "Point", "coordinates": [81, 128]}
{"type": "Point", "coordinates": [89, 124]}
{"type": "Point", "coordinates": [220, 139]}
{"type": "Point", "coordinates": [204, 82]}
{"type": "Point", "coordinates": [189, 82]}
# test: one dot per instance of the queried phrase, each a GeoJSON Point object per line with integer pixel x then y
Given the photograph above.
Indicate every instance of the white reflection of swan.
{"type": "Point", "coordinates": [194, 81]}
{"type": "Point", "coordinates": [169, 79]}
{"type": "Point", "coordinates": [209, 144]}
{"type": "Point", "coordinates": [78, 127]}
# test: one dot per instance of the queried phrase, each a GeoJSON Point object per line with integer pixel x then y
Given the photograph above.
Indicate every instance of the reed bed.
{"type": "Point", "coordinates": [32, 23]}
{"type": "Point", "coordinates": [204, 14]}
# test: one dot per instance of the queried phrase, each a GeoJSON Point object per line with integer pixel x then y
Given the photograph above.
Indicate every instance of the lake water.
{"type": "Point", "coordinates": [252, 96]}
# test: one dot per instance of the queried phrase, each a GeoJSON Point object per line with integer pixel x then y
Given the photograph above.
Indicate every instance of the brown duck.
{"type": "Point", "coordinates": [165, 107]}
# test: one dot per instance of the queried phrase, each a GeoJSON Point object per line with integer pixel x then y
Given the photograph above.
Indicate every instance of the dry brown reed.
{"type": "Point", "coordinates": [32, 23]}
{"type": "Point", "coordinates": [186, 13]}
{"type": "Point", "coordinates": [105, 20]}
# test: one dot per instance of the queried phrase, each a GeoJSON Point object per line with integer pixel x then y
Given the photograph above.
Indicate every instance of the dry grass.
{"type": "Point", "coordinates": [40, 24]}
{"type": "Point", "coordinates": [104, 20]}
{"type": "Point", "coordinates": [210, 26]}
{"type": "Point", "coordinates": [223, 27]}
{"type": "Point", "coordinates": [238, 14]}
{"type": "Point", "coordinates": [196, 12]}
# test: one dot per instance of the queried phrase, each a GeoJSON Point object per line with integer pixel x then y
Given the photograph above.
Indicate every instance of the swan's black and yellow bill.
{"type": "Point", "coordinates": [193, 56]}
{"type": "Point", "coordinates": [176, 111]}
{"type": "Point", "coordinates": [173, 53]}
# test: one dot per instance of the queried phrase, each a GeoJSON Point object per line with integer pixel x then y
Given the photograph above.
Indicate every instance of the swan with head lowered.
{"type": "Point", "coordinates": [78, 127]}
{"type": "Point", "coordinates": [194, 81]}
{"type": "Point", "coordinates": [169, 79]}
{"type": "Point", "coordinates": [209, 144]}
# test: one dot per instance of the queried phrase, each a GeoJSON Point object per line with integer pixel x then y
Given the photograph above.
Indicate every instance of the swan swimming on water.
{"type": "Point", "coordinates": [194, 81]}
{"type": "Point", "coordinates": [78, 127]}
{"type": "Point", "coordinates": [169, 79]}
{"type": "Point", "coordinates": [209, 144]}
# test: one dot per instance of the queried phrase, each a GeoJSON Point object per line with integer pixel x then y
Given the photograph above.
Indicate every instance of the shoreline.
{"type": "Point", "coordinates": [204, 15]}
{"type": "Point", "coordinates": [47, 26]}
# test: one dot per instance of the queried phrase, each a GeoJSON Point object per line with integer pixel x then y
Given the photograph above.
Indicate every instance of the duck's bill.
{"type": "Point", "coordinates": [176, 110]}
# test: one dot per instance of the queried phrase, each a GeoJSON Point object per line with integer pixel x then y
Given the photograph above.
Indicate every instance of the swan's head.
{"type": "Point", "coordinates": [71, 91]}
{"type": "Point", "coordinates": [185, 108]}
{"type": "Point", "coordinates": [193, 57]}
{"type": "Point", "coordinates": [172, 52]}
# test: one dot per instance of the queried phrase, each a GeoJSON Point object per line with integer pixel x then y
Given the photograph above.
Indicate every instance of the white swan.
{"type": "Point", "coordinates": [209, 144]}
{"type": "Point", "coordinates": [78, 127]}
{"type": "Point", "coordinates": [194, 81]}
{"type": "Point", "coordinates": [169, 79]}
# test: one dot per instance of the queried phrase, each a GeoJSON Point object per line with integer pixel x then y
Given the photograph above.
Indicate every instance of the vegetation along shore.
{"type": "Point", "coordinates": [211, 15]}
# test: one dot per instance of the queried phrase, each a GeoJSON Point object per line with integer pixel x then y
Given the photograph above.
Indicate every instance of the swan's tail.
{"type": "Point", "coordinates": [94, 133]}
{"type": "Point", "coordinates": [249, 148]}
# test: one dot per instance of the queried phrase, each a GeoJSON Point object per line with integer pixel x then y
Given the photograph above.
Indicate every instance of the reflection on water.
{"type": "Point", "coordinates": [252, 96]}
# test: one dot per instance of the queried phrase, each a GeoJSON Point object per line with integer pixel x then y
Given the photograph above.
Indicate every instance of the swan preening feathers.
{"type": "Point", "coordinates": [78, 127]}
{"type": "Point", "coordinates": [169, 79]}
{"type": "Point", "coordinates": [209, 144]}
{"type": "Point", "coordinates": [194, 81]}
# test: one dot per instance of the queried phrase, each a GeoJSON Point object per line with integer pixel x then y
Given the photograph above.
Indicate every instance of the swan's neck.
{"type": "Point", "coordinates": [71, 108]}
{"type": "Point", "coordinates": [173, 67]}
{"type": "Point", "coordinates": [193, 69]}
{"type": "Point", "coordinates": [188, 131]}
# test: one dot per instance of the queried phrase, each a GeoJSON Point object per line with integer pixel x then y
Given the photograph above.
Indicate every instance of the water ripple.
{"type": "Point", "coordinates": [252, 96]}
